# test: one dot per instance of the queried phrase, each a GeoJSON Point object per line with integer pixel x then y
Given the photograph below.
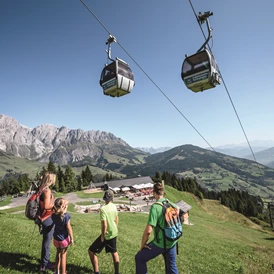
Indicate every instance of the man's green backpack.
{"type": "Point", "coordinates": [173, 227]}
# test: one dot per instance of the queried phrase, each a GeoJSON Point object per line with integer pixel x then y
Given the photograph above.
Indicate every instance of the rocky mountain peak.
{"type": "Point", "coordinates": [45, 142]}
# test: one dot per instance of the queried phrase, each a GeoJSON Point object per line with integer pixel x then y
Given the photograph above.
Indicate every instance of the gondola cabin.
{"type": "Point", "coordinates": [117, 79]}
{"type": "Point", "coordinates": [200, 71]}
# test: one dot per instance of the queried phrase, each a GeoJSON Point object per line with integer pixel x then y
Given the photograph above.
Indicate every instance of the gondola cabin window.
{"type": "Point", "coordinates": [109, 72]}
{"type": "Point", "coordinates": [196, 63]}
{"type": "Point", "coordinates": [125, 71]}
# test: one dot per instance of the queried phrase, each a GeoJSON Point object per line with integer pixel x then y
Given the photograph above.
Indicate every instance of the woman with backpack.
{"type": "Point", "coordinates": [46, 204]}
{"type": "Point", "coordinates": [63, 236]}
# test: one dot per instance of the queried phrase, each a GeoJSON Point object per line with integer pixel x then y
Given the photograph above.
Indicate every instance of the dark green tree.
{"type": "Point", "coordinates": [86, 176]}
{"type": "Point", "coordinates": [240, 206]}
{"type": "Point", "coordinates": [60, 174]}
{"type": "Point", "coordinates": [23, 181]}
{"type": "Point", "coordinates": [14, 186]}
{"type": "Point", "coordinates": [199, 194]}
{"type": "Point", "coordinates": [69, 179]}
{"type": "Point", "coordinates": [56, 185]}
{"type": "Point", "coordinates": [6, 187]}
{"type": "Point", "coordinates": [157, 177]}
{"type": "Point", "coordinates": [167, 177]}
{"type": "Point", "coordinates": [79, 183]}
{"type": "Point", "coordinates": [62, 187]}
{"type": "Point", "coordinates": [84, 180]}
{"type": "Point", "coordinates": [42, 172]}
{"type": "Point", "coordinates": [251, 209]}
{"type": "Point", "coordinates": [51, 167]}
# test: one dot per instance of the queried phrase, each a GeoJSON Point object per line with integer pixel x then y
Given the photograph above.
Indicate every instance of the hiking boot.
{"type": "Point", "coordinates": [50, 266]}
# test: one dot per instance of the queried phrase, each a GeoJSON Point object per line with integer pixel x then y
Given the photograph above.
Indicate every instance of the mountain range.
{"type": "Point", "coordinates": [62, 146]}
{"type": "Point", "coordinates": [152, 150]}
{"type": "Point", "coordinates": [262, 150]}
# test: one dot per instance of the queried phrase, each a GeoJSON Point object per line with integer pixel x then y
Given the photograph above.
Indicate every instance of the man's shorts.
{"type": "Point", "coordinates": [109, 245]}
{"type": "Point", "coordinates": [62, 244]}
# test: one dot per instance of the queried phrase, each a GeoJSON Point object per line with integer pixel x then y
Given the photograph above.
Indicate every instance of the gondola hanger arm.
{"type": "Point", "coordinates": [201, 19]}
{"type": "Point", "coordinates": [110, 40]}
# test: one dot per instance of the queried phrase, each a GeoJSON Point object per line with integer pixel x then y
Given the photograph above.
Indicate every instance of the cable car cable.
{"type": "Point", "coordinates": [148, 76]}
{"type": "Point", "coordinates": [95, 17]}
{"type": "Point", "coordinates": [226, 88]}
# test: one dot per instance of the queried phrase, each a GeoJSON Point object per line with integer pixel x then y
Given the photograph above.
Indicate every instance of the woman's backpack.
{"type": "Point", "coordinates": [32, 206]}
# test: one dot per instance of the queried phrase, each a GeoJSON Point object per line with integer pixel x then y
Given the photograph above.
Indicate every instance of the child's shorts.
{"type": "Point", "coordinates": [109, 245]}
{"type": "Point", "coordinates": [62, 244]}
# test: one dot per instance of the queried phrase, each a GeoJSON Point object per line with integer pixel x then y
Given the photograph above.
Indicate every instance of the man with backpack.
{"type": "Point", "coordinates": [163, 219]}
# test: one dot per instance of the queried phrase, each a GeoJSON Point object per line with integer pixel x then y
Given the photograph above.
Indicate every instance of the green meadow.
{"type": "Point", "coordinates": [219, 241]}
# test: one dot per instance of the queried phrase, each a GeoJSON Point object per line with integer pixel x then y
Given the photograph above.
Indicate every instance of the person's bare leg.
{"type": "Point", "coordinates": [57, 260]}
{"type": "Point", "coordinates": [116, 262]}
{"type": "Point", "coordinates": [63, 260]}
{"type": "Point", "coordinates": [94, 261]}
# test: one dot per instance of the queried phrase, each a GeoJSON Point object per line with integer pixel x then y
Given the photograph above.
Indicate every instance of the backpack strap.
{"type": "Point", "coordinates": [39, 193]}
{"type": "Point", "coordinates": [162, 229]}
{"type": "Point", "coordinates": [162, 203]}
{"type": "Point", "coordinates": [158, 227]}
{"type": "Point", "coordinates": [42, 190]}
{"type": "Point", "coordinates": [158, 203]}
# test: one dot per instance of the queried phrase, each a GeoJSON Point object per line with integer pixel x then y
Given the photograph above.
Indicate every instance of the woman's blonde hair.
{"type": "Point", "coordinates": [48, 179]}
{"type": "Point", "coordinates": [60, 206]}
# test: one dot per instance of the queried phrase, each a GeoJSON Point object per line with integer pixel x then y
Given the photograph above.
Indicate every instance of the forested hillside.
{"type": "Point", "coordinates": [212, 170]}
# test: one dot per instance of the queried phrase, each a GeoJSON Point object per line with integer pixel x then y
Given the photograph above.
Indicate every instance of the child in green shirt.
{"type": "Point", "coordinates": [109, 232]}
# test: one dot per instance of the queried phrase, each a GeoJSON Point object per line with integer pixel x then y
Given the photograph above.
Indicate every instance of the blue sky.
{"type": "Point", "coordinates": [53, 52]}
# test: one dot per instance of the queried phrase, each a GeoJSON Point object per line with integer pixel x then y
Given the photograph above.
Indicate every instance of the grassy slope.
{"type": "Point", "coordinates": [21, 165]}
{"type": "Point", "coordinates": [220, 241]}
{"type": "Point", "coordinates": [218, 179]}
{"type": "Point", "coordinates": [97, 171]}
{"type": "Point", "coordinates": [18, 165]}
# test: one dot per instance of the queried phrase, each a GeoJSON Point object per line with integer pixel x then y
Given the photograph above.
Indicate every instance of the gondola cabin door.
{"type": "Point", "coordinates": [117, 79]}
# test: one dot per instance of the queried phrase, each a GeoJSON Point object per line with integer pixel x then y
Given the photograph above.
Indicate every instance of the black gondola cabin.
{"type": "Point", "coordinates": [117, 79]}
{"type": "Point", "coordinates": [200, 71]}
